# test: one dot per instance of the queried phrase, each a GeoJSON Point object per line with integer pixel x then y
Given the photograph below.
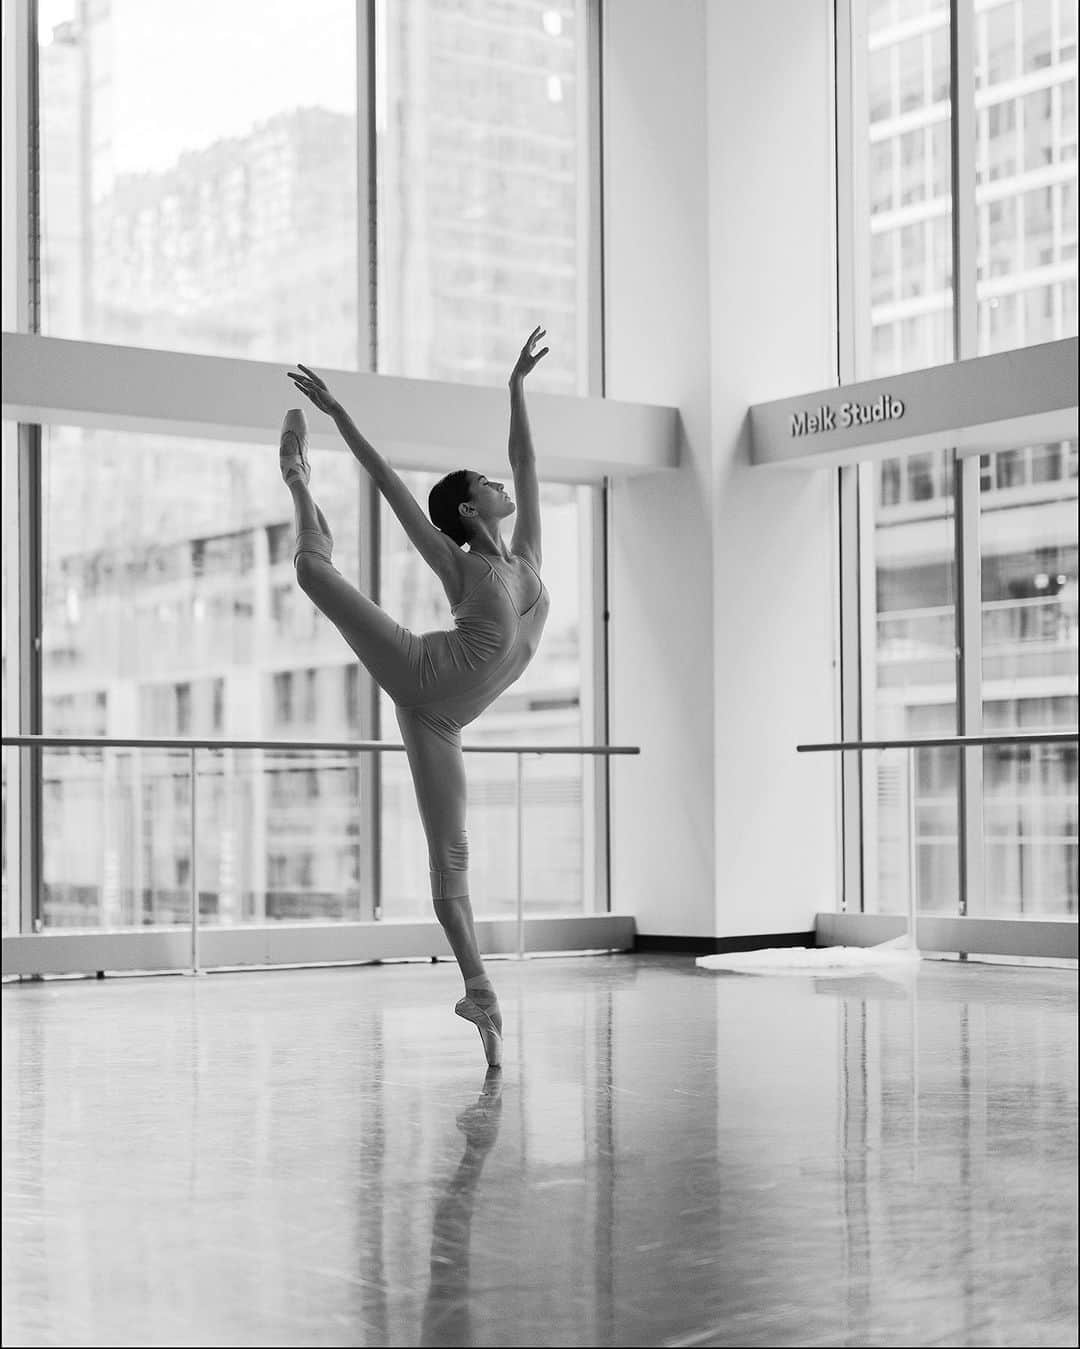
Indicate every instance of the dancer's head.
{"type": "Point", "coordinates": [464, 503]}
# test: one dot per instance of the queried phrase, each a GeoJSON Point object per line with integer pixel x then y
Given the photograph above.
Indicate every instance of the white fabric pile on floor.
{"type": "Point", "coordinates": [895, 954]}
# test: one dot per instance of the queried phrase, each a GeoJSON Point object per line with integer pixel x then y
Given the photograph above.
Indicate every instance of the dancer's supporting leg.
{"type": "Point", "coordinates": [438, 772]}
{"type": "Point", "coordinates": [389, 652]}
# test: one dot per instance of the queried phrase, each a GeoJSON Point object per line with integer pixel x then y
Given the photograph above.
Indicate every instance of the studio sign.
{"type": "Point", "coordinates": [885, 408]}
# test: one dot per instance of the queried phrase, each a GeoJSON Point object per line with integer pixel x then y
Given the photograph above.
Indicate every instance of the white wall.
{"type": "Point", "coordinates": [657, 350]}
{"type": "Point", "coordinates": [720, 283]}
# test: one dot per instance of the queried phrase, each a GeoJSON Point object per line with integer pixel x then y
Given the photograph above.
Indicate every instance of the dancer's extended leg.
{"type": "Point", "coordinates": [385, 647]}
{"type": "Point", "coordinates": [390, 652]}
{"type": "Point", "coordinates": [438, 772]}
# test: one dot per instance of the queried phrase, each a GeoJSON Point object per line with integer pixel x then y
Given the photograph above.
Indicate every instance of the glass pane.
{"type": "Point", "coordinates": [199, 176]}
{"type": "Point", "coordinates": [284, 837]}
{"type": "Point", "coordinates": [277, 838]}
{"type": "Point", "coordinates": [550, 704]}
{"type": "Point", "coordinates": [931, 868]}
{"type": "Point", "coordinates": [482, 202]}
{"type": "Point", "coordinates": [170, 608]}
{"type": "Point", "coordinates": [1025, 173]}
{"type": "Point", "coordinates": [908, 198]}
{"type": "Point", "coordinates": [909, 689]}
{"type": "Point", "coordinates": [1029, 630]}
{"type": "Point", "coordinates": [115, 838]}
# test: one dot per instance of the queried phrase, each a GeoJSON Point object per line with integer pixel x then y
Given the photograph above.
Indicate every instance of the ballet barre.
{"type": "Point", "coordinates": [926, 742]}
{"type": "Point", "coordinates": [192, 745]}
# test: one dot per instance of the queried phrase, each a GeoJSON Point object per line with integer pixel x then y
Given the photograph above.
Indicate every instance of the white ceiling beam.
{"type": "Point", "coordinates": [415, 423]}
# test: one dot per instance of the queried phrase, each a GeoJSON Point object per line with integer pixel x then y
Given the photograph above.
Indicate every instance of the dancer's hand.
{"type": "Point", "coordinates": [313, 386]}
{"type": "Point", "coordinates": [527, 360]}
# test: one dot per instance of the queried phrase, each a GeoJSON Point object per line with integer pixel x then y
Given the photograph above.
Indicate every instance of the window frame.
{"type": "Point", "coordinates": [855, 481]}
{"type": "Point", "coordinates": [23, 280]}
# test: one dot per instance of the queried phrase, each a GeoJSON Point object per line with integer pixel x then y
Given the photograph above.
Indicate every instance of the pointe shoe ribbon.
{"type": "Point", "coordinates": [490, 1035]}
{"type": "Point", "coordinates": [292, 454]}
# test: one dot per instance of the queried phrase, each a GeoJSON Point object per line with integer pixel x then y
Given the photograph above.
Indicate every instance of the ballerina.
{"type": "Point", "coordinates": [438, 681]}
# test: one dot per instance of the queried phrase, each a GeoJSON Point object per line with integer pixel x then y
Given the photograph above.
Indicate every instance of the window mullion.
{"type": "Point", "coordinates": [367, 348]}
{"type": "Point", "coordinates": [22, 270]}
{"type": "Point", "coordinates": [962, 127]}
{"type": "Point", "coordinates": [21, 85]}
{"type": "Point", "coordinates": [367, 312]}
{"type": "Point", "coordinates": [851, 691]}
{"type": "Point", "coordinates": [29, 676]}
{"type": "Point", "coordinates": [969, 719]}
{"type": "Point", "coordinates": [597, 824]}
{"type": "Point", "coordinates": [853, 355]}
{"type": "Point", "coordinates": [968, 558]}
{"type": "Point", "coordinates": [591, 205]}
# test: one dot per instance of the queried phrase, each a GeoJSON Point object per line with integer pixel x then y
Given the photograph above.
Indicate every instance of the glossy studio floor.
{"type": "Point", "coordinates": [670, 1156]}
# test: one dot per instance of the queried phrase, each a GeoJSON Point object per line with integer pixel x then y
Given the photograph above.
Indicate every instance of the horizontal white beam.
{"type": "Point", "coordinates": [415, 423]}
{"type": "Point", "coordinates": [63, 952]}
{"type": "Point", "coordinates": [1023, 397]}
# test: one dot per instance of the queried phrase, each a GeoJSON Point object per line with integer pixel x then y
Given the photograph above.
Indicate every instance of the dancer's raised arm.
{"type": "Point", "coordinates": [438, 551]}
{"type": "Point", "coordinates": [526, 538]}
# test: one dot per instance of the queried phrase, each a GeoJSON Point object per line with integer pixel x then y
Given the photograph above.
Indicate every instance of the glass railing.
{"type": "Point", "coordinates": [141, 834]}
{"type": "Point", "coordinates": [1027, 861]}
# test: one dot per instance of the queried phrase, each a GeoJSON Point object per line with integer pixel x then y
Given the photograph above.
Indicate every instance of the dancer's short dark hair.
{"type": "Point", "coordinates": [443, 502]}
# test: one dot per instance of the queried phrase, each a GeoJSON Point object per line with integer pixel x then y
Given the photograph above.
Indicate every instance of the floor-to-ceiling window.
{"type": "Point", "coordinates": [964, 243]}
{"type": "Point", "coordinates": [482, 125]}
{"type": "Point", "coordinates": [200, 183]}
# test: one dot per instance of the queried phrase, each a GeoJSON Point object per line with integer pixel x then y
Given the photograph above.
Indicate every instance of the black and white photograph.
{"type": "Point", "coordinates": [540, 622]}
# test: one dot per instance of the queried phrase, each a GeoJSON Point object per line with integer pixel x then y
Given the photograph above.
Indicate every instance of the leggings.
{"type": "Point", "coordinates": [432, 742]}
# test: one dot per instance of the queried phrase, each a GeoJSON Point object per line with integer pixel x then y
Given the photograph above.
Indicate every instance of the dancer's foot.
{"type": "Point", "coordinates": [292, 456]}
{"type": "Point", "coordinates": [481, 1007]}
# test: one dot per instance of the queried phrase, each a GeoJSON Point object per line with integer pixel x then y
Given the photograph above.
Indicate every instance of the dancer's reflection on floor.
{"type": "Point", "coordinates": [447, 1316]}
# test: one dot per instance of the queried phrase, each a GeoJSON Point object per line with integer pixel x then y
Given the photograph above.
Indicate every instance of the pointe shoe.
{"type": "Point", "coordinates": [292, 455]}
{"type": "Point", "coordinates": [490, 1035]}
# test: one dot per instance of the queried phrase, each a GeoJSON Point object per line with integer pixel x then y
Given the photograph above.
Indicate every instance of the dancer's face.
{"type": "Point", "coordinates": [490, 498]}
